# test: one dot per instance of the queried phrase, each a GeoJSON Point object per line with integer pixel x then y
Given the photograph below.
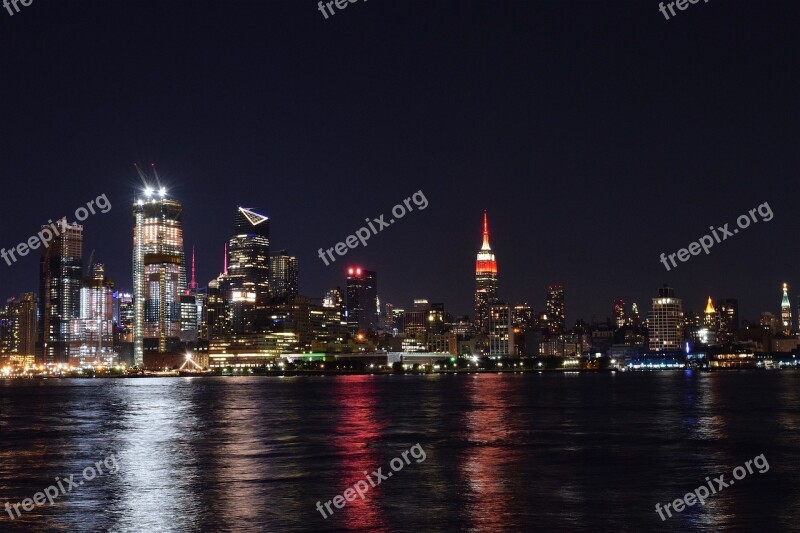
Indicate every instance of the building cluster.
{"type": "Point", "coordinates": [253, 315]}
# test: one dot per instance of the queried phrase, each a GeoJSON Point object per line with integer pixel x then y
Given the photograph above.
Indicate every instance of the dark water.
{"type": "Point", "coordinates": [502, 452]}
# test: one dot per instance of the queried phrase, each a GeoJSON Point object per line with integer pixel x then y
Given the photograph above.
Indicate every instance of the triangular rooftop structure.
{"type": "Point", "coordinates": [254, 218]}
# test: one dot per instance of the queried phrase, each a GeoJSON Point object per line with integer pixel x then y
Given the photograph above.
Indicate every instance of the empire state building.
{"type": "Point", "coordinates": [485, 280]}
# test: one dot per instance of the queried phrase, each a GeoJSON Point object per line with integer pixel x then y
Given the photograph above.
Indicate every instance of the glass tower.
{"type": "Point", "coordinates": [246, 285]}
{"type": "Point", "coordinates": [60, 279]}
{"type": "Point", "coordinates": [159, 273]}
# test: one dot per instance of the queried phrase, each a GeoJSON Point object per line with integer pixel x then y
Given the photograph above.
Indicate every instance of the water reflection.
{"type": "Point", "coordinates": [488, 431]}
{"type": "Point", "coordinates": [358, 430]}
{"type": "Point", "coordinates": [159, 467]}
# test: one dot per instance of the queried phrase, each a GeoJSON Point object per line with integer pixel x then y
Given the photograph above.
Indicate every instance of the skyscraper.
{"type": "Point", "coordinates": [728, 313]}
{"type": "Point", "coordinates": [362, 299]}
{"type": "Point", "coordinates": [556, 317]}
{"type": "Point", "coordinates": [485, 281]}
{"type": "Point", "coordinates": [92, 335]}
{"type": "Point", "coordinates": [786, 312]}
{"type": "Point", "coordinates": [159, 272]}
{"type": "Point", "coordinates": [60, 277]}
{"type": "Point", "coordinates": [246, 285]}
{"type": "Point", "coordinates": [284, 272]}
{"type": "Point", "coordinates": [124, 313]}
{"type": "Point", "coordinates": [18, 327]}
{"type": "Point", "coordinates": [24, 316]}
{"type": "Point", "coordinates": [500, 332]}
{"type": "Point", "coordinates": [634, 320]}
{"type": "Point", "coordinates": [666, 321]}
{"type": "Point", "coordinates": [710, 322]}
{"type": "Point", "coordinates": [191, 308]}
{"type": "Point", "coordinates": [248, 255]}
{"type": "Point", "coordinates": [619, 314]}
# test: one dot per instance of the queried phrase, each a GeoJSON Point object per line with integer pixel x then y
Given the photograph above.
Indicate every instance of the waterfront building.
{"type": "Point", "coordinates": [666, 321]}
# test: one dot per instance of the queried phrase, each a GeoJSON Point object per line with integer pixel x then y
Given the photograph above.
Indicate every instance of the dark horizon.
{"type": "Point", "coordinates": [597, 136]}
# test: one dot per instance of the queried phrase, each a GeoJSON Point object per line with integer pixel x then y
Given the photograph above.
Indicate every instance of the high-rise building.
{"type": "Point", "coordinates": [786, 312]}
{"type": "Point", "coordinates": [556, 317]}
{"type": "Point", "coordinates": [215, 317]}
{"type": "Point", "coordinates": [7, 334]}
{"type": "Point", "coordinates": [500, 333]}
{"type": "Point", "coordinates": [728, 312]}
{"type": "Point", "coordinates": [666, 321]}
{"type": "Point", "coordinates": [619, 314]}
{"type": "Point", "coordinates": [248, 256]}
{"type": "Point", "coordinates": [18, 326]}
{"type": "Point", "coordinates": [283, 279]}
{"type": "Point", "coordinates": [159, 273]}
{"type": "Point", "coordinates": [92, 333]}
{"type": "Point", "coordinates": [191, 308]}
{"type": "Point", "coordinates": [362, 299]}
{"type": "Point", "coordinates": [388, 320]}
{"type": "Point", "coordinates": [634, 320]}
{"type": "Point", "coordinates": [60, 278]}
{"type": "Point", "coordinates": [707, 331]}
{"type": "Point", "coordinates": [124, 315]}
{"type": "Point", "coordinates": [246, 285]}
{"type": "Point", "coordinates": [24, 316]}
{"type": "Point", "coordinates": [485, 280]}
{"type": "Point", "coordinates": [523, 318]}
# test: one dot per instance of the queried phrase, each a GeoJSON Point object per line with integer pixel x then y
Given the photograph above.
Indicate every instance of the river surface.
{"type": "Point", "coordinates": [510, 452]}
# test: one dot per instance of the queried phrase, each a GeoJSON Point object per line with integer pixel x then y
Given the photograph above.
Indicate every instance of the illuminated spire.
{"type": "Point", "coordinates": [710, 307]}
{"type": "Point", "coordinates": [786, 311]}
{"type": "Point", "coordinates": [485, 232]}
{"type": "Point", "coordinates": [193, 283]}
{"type": "Point", "coordinates": [485, 280]}
{"type": "Point", "coordinates": [225, 260]}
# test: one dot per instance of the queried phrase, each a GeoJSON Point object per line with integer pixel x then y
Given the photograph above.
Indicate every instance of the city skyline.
{"type": "Point", "coordinates": [247, 217]}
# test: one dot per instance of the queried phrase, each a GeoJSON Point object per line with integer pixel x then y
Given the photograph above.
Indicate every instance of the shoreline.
{"type": "Point", "coordinates": [330, 373]}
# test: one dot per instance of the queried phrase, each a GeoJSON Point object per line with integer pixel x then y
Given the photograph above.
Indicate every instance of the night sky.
{"type": "Point", "coordinates": [596, 134]}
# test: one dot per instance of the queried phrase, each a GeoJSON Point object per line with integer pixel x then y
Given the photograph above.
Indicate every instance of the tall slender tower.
{"type": "Point", "coordinates": [159, 271]}
{"type": "Point", "coordinates": [60, 277]}
{"type": "Point", "coordinates": [556, 313]}
{"type": "Point", "coordinates": [786, 312]}
{"type": "Point", "coordinates": [710, 322]}
{"type": "Point", "coordinates": [485, 281]}
{"type": "Point", "coordinates": [193, 283]}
